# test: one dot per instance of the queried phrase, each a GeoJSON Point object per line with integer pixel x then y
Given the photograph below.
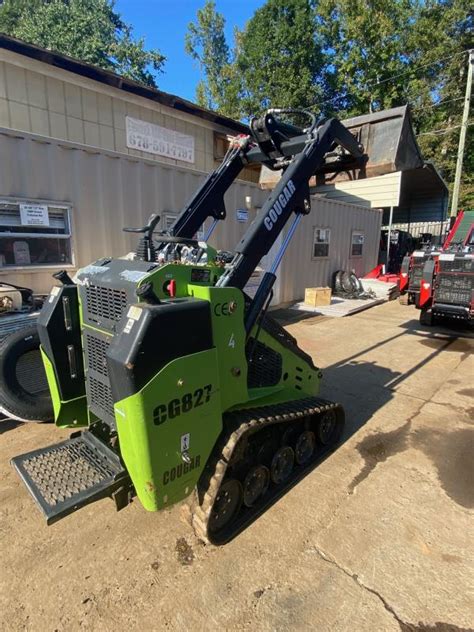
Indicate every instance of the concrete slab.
{"type": "Point", "coordinates": [378, 537]}
{"type": "Point", "coordinates": [339, 307]}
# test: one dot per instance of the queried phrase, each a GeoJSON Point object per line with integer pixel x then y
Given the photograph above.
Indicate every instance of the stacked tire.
{"type": "Point", "coordinates": [24, 392]}
{"type": "Point", "coordinates": [347, 283]}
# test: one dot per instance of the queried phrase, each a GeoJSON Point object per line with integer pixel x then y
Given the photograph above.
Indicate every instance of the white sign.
{"type": "Point", "coordinates": [21, 253]}
{"type": "Point", "coordinates": [242, 215]}
{"type": "Point", "coordinates": [34, 215]}
{"type": "Point", "coordinates": [158, 140]}
{"type": "Point", "coordinates": [185, 442]}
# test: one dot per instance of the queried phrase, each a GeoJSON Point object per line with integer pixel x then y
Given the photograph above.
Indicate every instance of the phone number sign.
{"type": "Point", "coordinates": [160, 141]}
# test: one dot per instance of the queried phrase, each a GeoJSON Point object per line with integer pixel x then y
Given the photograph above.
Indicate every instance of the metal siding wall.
{"type": "Point", "coordinates": [107, 191]}
{"type": "Point", "coordinates": [367, 192]}
{"type": "Point", "coordinates": [422, 209]}
{"type": "Point", "coordinates": [43, 99]}
{"type": "Point", "coordinates": [299, 271]}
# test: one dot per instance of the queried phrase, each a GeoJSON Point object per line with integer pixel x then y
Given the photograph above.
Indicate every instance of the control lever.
{"type": "Point", "coordinates": [146, 250]}
{"type": "Point", "coordinates": [63, 277]}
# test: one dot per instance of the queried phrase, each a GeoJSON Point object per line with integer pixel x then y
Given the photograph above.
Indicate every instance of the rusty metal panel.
{"type": "Point", "coordinates": [388, 141]}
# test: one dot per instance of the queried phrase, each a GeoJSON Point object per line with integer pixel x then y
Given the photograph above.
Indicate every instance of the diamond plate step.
{"type": "Point", "coordinates": [68, 475]}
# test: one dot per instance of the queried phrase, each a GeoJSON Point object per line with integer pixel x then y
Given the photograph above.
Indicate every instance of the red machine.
{"type": "Point", "coordinates": [447, 279]}
{"type": "Point", "coordinates": [410, 276]}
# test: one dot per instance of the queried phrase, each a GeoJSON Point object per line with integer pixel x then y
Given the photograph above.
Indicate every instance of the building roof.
{"type": "Point", "coordinates": [109, 78]}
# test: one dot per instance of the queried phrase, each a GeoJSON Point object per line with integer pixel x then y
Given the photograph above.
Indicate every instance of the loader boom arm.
{"type": "Point", "coordinates": [291, 195]}
{"type": "Point", "coordinates": [275, 142]}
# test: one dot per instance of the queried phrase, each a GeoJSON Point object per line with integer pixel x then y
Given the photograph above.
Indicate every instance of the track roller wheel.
{"type": "Point", "coordinates": [226, 506]}
{"type": "Point", "coordinates": [327, 429]}
{"type": "Point", "coordinates": [282, 464]}
{"type": "Point", "coordinates": [267, 449]}
{"type": "Point", "coordinates": [304, 447]}
{"type": "Point", "coordinates": [256, 484]}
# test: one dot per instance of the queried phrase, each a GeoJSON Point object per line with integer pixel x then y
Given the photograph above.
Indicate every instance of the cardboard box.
{"type": "Point", "coordinates": [316, 296]}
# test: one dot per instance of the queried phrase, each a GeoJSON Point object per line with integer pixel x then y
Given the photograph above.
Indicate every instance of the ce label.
{"type": "Point", "coordinates": [221, 309]}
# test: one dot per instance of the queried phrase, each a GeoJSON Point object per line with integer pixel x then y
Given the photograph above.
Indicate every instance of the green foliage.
{"type": "Point", "coordinates": [368, 43]}
{"type": "Point", "coordinates": [206, 43]}
{"type": "Point", "coordinates": [437, 92]}
{"type": "Point", "coordinates": [89, 30]}
{"type": "Point", "coordinates": [347, 57]}
{"type": "Point", "coordinates": [280, 60]}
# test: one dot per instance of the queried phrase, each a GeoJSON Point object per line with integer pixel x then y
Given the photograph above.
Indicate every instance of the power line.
{"type": "Point", "coordinates": [443, 130]}
{"type": "Point", "coordinates": [409, 72]}
{"type": "Point", "coordinates": [401, 74]}
{"type": "Point", "coordinates": [435, 105]}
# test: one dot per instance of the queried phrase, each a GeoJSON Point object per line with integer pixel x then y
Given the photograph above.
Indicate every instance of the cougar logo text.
{"type": "Point", "coordinates": [279, 205]}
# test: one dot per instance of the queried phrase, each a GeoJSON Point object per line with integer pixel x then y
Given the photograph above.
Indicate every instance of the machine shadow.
{"type": "Point", "coordinates": [362, 387]}
{"type": "Point", "coordinates": [7, 424]}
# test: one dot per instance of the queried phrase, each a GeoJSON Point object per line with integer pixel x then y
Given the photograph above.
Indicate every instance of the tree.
{"type": "Point", "coordinates": [90, 30]}
{"type": "Point", "coordinates": [442, 81]}
{"type": "Point", "coordinates": [280, 60]}
{"type": "Point", "coordinates": [391, 52]}
{"type": "Point", "coordinates": [205, 41]}
{"type": "Point", "coordinates": [368, 43]}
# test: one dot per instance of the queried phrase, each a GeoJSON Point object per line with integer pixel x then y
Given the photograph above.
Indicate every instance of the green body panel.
{"type": "Point", "coordinates": [227, 313]}
{"type": "Point", "coordinates": [182, 275]}
{"type": "Point", "coordinates": [68, 414]}
{"type": "Point", "coordinates": [151, 445]}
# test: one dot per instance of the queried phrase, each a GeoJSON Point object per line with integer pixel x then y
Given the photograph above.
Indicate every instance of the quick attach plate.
{"type": "Point", "coordinates": [68, 475]}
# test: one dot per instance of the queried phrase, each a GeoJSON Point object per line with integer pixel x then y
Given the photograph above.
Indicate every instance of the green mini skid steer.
{"type": "Point", "coordinates": [179, 384]}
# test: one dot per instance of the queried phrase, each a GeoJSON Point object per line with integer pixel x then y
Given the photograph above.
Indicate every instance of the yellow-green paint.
{"type": "Point", "coordinates": [67, 414]}
{"type": "Point", "coordinates": [151, 450]}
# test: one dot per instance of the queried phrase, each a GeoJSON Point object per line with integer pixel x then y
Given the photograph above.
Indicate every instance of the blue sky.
{"type": "Point", "coordinates": [164, 23]}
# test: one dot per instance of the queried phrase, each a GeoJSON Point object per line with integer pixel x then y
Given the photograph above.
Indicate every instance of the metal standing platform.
{"type": "Point", "coordinates": [68, 475]}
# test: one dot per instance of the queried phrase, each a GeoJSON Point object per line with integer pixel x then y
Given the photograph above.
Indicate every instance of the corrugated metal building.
{"type": "Point", "coordinates": [71, 176]}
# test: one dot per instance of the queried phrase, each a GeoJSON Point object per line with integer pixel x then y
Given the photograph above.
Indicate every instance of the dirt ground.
{"type": "Point", "coordinates": [378, 537]}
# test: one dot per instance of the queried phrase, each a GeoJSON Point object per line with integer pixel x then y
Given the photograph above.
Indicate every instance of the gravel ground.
{"type": "Point", "coordinates": [378, 537]}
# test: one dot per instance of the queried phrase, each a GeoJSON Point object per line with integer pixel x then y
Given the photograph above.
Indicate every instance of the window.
{"type": "Point", "coordinates": [34, 234]}
{"type": "Point", "coordinates": [357, 244]}
{"type": "Point", "coordinates": [322, 237]}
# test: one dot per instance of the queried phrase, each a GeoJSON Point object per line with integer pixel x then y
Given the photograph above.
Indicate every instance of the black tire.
{"type": "Point", "coordinates": [24, 391]}
{"type": "Point", "coordinates": [426, 317]}
{"type": "Point", "coordinates": [338, 281]}
{"type": "Point", "coordinates": [350, 283]}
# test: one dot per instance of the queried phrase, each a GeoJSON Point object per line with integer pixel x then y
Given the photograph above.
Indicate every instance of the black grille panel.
{"type": "Point", "coordinates": [460, 264]}
{"type": "Point", "coordinates": [416, 276]}
{"type": "Point", "coordinates": [454, 289]}
{"type": "Point", "coordinates": [96, 354]}
{"type": "Point", "coordinates": [105, 303]}
{"type": "Point", "coordinates": [101, 397]}
{"type": "Point", "coordinates": [265, 365]}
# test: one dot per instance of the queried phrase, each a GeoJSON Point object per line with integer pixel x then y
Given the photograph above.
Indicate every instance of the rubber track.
{"type": "Point", "coordinates": [238, 423]}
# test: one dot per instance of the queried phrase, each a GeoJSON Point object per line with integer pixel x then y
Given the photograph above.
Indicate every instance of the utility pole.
{"type": "Point", "coordinates": [462, 137]}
